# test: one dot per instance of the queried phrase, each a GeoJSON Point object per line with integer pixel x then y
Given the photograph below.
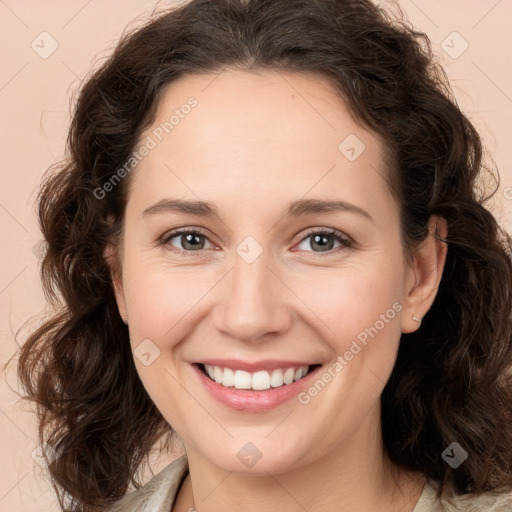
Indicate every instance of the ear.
{"type": "Point", "coordinates": [425, 275]}
{"type": "Point", "coordinates": [113, 258]}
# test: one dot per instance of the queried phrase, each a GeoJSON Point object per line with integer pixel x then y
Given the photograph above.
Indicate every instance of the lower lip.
{"type": "Point", "coordinates": [254, 401]}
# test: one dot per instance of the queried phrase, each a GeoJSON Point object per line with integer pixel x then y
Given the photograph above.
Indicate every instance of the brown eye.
{"type": "Point", "coordinates": [188, 241]}
{"type": "Point", "coordinates": [323, 241]}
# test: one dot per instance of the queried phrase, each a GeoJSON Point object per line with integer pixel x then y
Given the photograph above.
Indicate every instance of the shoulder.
{"type": "Point", "coordinates": [486, 502]}
{"type": "Point", "coordinates": [158, 494]}
{"type": "Point", "coordinates": [492, 501]}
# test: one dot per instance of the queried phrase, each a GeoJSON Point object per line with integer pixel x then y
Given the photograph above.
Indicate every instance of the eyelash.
{"type": "Point", "coordinates": [346, 242]}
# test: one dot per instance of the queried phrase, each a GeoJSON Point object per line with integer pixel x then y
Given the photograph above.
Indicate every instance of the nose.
{"type": "Point", "coordinates": [254, 302]}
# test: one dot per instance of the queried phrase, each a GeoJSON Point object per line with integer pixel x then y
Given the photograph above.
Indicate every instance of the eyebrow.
{"type": "Point", "coordinates": [295, 209]}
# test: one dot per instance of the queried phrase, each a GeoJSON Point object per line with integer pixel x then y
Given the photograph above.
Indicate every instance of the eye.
{"type": "Point", "coordinates": [324, 241]}
{"type": "Point", "coordinates": [189, 240]}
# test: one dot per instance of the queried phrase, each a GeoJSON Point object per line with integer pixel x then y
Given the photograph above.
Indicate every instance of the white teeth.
{"type": "Point", "coordinates": [257, 381]}
{"type": "Point", "coordinates": [242, 380]}
{"type": "Point", "coordinates": [260, 380]}
{"type": "Point", "coordinates": [288, 376]}
{"type": "Point", "coordinates": [228, 379]}
{"type": "Point", "coordinates": [299, 374]}
{"type": "Point", "coordinates": [210, 371]}
{"type": "Point", "coordinates": [276, 379]}
{"type": "Point", "coordinates": [217, 374]}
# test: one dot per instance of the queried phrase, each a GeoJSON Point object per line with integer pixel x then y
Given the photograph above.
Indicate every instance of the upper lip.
{"type": "Point", "coordinates": [254, 366]}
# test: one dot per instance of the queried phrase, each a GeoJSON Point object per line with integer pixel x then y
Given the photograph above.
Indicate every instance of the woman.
{"type": "Point", "coordinates": [269, 244]}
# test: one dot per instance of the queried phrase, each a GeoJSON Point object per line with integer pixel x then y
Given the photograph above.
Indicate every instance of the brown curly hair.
{"type": "Point", "coordinates": [452, 379]}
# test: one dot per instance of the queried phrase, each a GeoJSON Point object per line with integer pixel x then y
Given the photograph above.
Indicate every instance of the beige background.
{"type": "Point", "coordinates": [34, 106]}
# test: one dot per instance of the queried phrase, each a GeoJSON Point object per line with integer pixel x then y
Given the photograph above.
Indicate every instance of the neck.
{"type": "Point", "coordinates": [352, 476]}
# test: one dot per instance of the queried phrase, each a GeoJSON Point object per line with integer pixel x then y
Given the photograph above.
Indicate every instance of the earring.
{"type": "Point", "coordinates": [417, 319]}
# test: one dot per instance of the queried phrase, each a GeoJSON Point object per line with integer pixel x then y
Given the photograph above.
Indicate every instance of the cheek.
{"type": "Point", "coordinates": [162, 308]}
{"type": "Point", "coordinates": [349, 303]}
{"type": "Point", "coordinates": [163, 302]}
{"type": "Point", "coordinates": [358, 312]}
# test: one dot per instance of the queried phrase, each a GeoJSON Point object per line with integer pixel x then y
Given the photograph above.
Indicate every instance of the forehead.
{"type": "Point", "coordinates": [276, 108]}
{"type": "Point", "coordinates": [248, 132]}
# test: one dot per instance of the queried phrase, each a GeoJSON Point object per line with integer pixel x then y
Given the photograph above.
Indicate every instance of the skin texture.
{"type": "Point", "coordinates": [254, 143]}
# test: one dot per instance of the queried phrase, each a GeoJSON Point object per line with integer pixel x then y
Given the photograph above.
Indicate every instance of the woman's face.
{"type": "Point", "coordinates": [263, 282]}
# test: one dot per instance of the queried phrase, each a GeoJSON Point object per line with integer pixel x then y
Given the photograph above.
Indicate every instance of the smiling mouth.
{"type": "Point", "coordinates": [255, 381]}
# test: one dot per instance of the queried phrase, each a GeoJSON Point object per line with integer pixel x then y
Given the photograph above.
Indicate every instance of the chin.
{"type": "Point", "coordinates": [257, 458]}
